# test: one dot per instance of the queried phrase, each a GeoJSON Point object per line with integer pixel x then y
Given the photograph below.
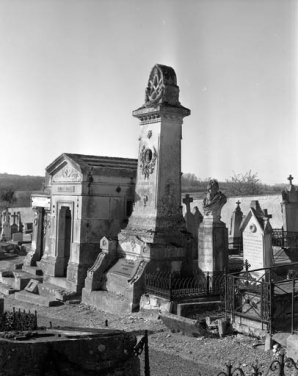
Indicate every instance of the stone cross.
{"type": "Point", "coordinates": [266, 215]}
{"type": "Point", "coordinates": [187, 200]}
{"type": "Point", "coordinates": [14, 216]}
{"type": "Point", "coordinates": [238, 205]}
{"type": "Point", "coordinates": [246, 265]}
{"type": "Point", "coordinates": [290, 178]}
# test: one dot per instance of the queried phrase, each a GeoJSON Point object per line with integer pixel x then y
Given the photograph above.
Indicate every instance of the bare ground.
{"type": "Point", "coordinates": [170, 353]}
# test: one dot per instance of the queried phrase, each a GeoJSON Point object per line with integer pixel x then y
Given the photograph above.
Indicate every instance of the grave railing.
{"type": "Point", "coordinates": [284, 239]}
{"type": "Point", "coordinates": [18, 321]}
{"type": "Point", "coordinates": [267, 298]}
{"type": "Point", "coordinates": [281, 366]}
{"type": "Point", "coordinates": [173, 286]}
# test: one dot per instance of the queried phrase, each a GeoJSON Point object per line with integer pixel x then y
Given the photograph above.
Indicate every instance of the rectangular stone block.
{"type": "Point", "coordinates": [32, 286]}
{"type": "Point", "coordinates": [183, 325]}
{"type": "Point", "coordinates": [292, 347]}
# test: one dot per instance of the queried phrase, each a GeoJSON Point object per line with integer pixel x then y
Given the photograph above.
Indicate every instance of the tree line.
{"type": "Point", "coordinates": [239, 184]}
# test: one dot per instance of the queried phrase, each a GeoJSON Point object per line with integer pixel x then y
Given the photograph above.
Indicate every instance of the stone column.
{"type": "Point", "coordinates": [213, 234]}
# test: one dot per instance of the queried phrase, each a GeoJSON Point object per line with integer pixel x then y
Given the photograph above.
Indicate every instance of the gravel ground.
{"type": "Point", "coordinates": [170, 353]}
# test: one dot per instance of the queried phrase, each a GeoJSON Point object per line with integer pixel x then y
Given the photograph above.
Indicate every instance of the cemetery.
{"type": "Point", "coordinates": [115, 234]}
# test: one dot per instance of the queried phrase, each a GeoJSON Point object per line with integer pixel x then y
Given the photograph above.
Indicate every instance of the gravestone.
{"type": "Point", "coordinates": [6, 229]}
{"type": "Point", "coordinates": [213, 234]}
{"type": "Point", "coordinates": [235, 236]}
{"type": "Point", "coordinates": [35, 253]}
{"type": "Point", "coordinates": [189, 218]}
{"type": "Point", "coordinates": [257, 239]}
{"type": "Point", "coordinates": [14, 226]}
{"type": "Point", "coordinates": [289, 207]}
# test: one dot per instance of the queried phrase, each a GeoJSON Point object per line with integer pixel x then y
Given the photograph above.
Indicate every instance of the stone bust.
{"type": "Point", "coordinates": [214, 200]}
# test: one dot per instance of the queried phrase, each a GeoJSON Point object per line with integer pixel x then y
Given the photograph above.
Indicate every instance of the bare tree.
{"type": "Point", "coordinates": [8, 196]}
{"type": "Point", "coordinates": [244, 184]}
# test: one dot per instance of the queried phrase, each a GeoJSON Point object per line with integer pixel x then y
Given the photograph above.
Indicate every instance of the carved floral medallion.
{"type": "Point", "coordinates": [148, 160]}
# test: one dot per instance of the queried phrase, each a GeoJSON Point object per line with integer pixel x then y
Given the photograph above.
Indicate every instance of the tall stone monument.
{"type": "Point", "coordinates": [235, 236]}
{"type": "Point", "coordinates": [155, 235]}
{"type": "Point", "coordinates": [155, 228]}
{"type": "Point", "coordinates": [289, 207]}
{"type": "Point", "coordinates": [213, 234]}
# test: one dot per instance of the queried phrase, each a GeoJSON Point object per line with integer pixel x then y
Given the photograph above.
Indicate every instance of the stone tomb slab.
{"type": "Point", "coordinates": [124, 268]}
{"type": "Point", "coordinates": [119, 276]}
{"type": "Point", "coordinates": [71, 351]}
{"type": "Point", "coordinates": [32, 286]}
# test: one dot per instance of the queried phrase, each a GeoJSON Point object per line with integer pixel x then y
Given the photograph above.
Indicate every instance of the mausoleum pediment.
{"type": "Point", "coordinates": [67, 174]}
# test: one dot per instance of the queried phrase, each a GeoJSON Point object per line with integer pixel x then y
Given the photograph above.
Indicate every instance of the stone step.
{"type": "Point", "coordinates": [49, 290]}
{"type": "Point", "coordinates": [25, 296]}
{"type": "Point", "coordinates": [63, 283]}
{"type": "Point", "coordinates": [32, 270]}
{"type": "Point", "coordinates": [6, 289]}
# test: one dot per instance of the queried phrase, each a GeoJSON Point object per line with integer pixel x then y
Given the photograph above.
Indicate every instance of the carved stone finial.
{"type": "Point", "coordinates": [214, 200]}
{"type": "Point", "coordinates": [162, 86]}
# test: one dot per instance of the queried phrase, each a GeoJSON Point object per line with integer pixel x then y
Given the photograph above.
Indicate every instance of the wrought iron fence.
{"type": "Point", "coordinates": [144, 346]}
{"type": "Point", "coordinates": [265, 298]}
{"type": "Point", "coordinates": [173, 286]}
{"type": "Point", "coordinates": [282, 366]}
{"type": "Point", "coordinates": [284, 239]}
{"type": "Point", "coordinates": [18, 321]}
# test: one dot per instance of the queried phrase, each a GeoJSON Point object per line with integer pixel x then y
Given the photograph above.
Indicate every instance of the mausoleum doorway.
{"type": "Point", "coordinates": [64, 237]}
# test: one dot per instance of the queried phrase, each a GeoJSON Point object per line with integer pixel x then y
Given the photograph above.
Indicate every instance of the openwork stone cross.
{"type": "Point", "coordinates": [187, 200]}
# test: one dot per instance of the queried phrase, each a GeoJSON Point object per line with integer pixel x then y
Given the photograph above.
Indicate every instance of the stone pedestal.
{"type": "Point", "coordinates": [213, 246]}
{"type": "Point", "coordinates": [290, 216]}
{"type": "Point", "coordinates": [213, 234]}
{"type": "Point", "coordinates": [289, 207]}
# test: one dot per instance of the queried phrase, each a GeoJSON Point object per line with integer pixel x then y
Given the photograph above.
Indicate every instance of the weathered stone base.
{"type": "Point", "coordinates": [152, 302]}
{"type": "Point", "coordinates": [107, 301]}
{"type": "Point", "coordinates": [71, 352]}
{"type": "Point", "coordinates": [249, 326]}
{"type": "Point", "coordinates": [183, 325]}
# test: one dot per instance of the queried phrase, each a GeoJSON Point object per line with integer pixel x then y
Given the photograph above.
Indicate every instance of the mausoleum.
{"type": "Point", "coordinates": [85, 198]}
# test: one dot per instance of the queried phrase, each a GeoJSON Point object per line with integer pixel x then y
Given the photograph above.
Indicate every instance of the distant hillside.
{"type": "Point", "coordinates": [20, 182]}
{"type": "Point", "coordinates": [23, 187]}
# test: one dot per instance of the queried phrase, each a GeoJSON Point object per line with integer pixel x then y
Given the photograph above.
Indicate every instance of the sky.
{"type": "Point", "coordinates": [72, 72]}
